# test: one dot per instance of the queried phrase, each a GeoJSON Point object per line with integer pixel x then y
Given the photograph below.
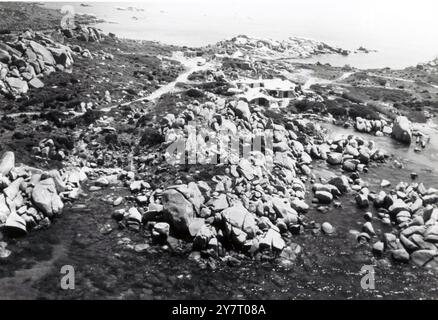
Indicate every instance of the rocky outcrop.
{"type": "Point", "coordinates": [30, 198]}
{"type": "Point", "coordinates": [292, 47]}
{"type": "Point", "coordinates": [26, 58]}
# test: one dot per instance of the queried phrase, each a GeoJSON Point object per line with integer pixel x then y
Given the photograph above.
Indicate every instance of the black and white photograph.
{"type": "Point", "coordinates": [219, 150]}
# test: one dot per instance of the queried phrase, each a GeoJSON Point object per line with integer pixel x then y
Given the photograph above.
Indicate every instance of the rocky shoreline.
{"type": "Point", "coordinates": [97, 115]}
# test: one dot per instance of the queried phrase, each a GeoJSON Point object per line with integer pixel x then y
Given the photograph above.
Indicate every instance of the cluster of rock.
{"type": "Point", "coordinates": [352, 153]}
{"type": "Point", "coordinates": [31, 197]}
{"type": "Point", "coordinates": [292, 47]}
{"type": "Point", "coordinates": [84, 33]}
{"type": "Point", "coordinates": [251, 206]}
{"type": "Point", "coordinates": [25, 58]}
{"type": "Point", "coordinates": [376, 127]}
{"type": "Point", "coordinates": [401, 129]}
{"type": "Point", "coordinates": [430, 67]}
{"type": "Point", "coordinates": [46, 149]}
{"type": "Point", "coordinates": [412, 210]}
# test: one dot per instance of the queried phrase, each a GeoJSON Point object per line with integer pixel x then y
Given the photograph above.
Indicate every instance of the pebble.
{"type": "Point", "coordinates": [327, 228]}
{"type": "Point", "coordinates": [118, 201]}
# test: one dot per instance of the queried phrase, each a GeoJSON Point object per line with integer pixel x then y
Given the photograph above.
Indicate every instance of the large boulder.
{"type": "Point", "coordinates": [341, 183]}
{"type": "Point", "coordinates": [272, 240]}
{"type": "Point", "coordinates": [242, 110]}
{"type": "Point", "coordinates": [62, 56]}
{"type": "Point", "coordinates": [42, 53]}
{"type": "Point", "coordinates": [178, 211]}
{"type": "Point", "coordinates": [324, 196]}
{"type": "Point", "coordinates": [46, 199]}
{"type": "Point", "coordinates": [7, 163]}
{"type": "Point", "coordinates": [284, 210]}
{"type": "Point", "coordinates": [240, 225]}
{"type": "Point", "coordinates": [426, 258]}
{"type": "Point", "coordinates": [192, 193]}
{"type": "Point", "coordinates": [334, 158]}
{"type": "Point", "coordinates": [5, 57]}
{"type": "Point", "coordinates": [17, 86]}
{"type": "Point", "coordinates": [180, 205]}
{"type": "Point", "coordinates": [401, 130]}
{"type": "Point", "coordinates": [4, 209]}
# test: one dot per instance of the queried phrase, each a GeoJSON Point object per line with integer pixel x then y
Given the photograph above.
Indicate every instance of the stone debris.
{"type": "Point", "coordinates": [26, 58]}
{"type": "Point", "coordinates": [30, 196]}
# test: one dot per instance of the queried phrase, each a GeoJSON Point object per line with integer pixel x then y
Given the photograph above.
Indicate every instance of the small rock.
{"type": "Point", "coordinates": [327, 228]}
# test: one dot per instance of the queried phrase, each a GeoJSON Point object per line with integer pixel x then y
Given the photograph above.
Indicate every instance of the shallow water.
{"type": "Point", "coordinates": [329, 267]}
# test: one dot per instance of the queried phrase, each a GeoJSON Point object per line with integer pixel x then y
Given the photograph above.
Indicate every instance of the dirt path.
{"type": "Point", "coordinates": [190, 64]}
